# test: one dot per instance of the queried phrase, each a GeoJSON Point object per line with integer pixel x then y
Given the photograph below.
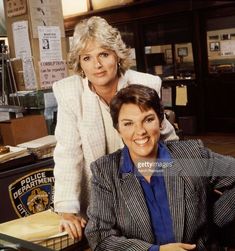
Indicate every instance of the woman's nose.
{"type": "Point", "coordinates": [97, 63]}
{"type": "Point", "coordinates": [140, 130]}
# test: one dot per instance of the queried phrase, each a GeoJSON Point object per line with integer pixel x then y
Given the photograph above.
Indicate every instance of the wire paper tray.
{"type": "Point", "coordinates": [41, 229]}
{"type": "Point", "coordinates": [57, 242]}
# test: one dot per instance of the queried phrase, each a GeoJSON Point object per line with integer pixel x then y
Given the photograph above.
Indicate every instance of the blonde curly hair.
{"type": "Point", "coordinates": [98, 29]}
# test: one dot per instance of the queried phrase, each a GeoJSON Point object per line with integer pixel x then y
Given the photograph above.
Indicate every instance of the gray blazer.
{"type": "Point", "coordinates": [118, 215]}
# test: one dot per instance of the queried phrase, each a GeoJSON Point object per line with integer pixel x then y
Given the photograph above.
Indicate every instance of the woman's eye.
{"type": "Point", "coordinates": [149, 120]}
{"type": "Point", "coordinates": [128, 124]}
{"type": "Point", "coordinates": [104, 54]}
{"type": "Point", "coordinates": [85, 58]}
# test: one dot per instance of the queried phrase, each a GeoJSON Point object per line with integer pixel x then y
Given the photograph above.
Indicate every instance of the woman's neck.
{"type": "Point", "coordinates": [106, 92]}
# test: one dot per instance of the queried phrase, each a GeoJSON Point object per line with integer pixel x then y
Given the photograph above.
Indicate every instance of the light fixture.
{"type": "Point", "coordinates": [71, 7]}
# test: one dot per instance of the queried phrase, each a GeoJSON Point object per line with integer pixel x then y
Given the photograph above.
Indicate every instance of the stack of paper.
{"type": "Point", "coordinates": [15, 152]}
{"type": "Point", "coordinates": [42, 147]}
{"type": "Point", "coordinates": [41, 228]}
{"type": "Point", "coordinates": [39, 143]}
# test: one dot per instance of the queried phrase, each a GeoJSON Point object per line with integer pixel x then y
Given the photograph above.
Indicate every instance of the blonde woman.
{"type": "Point", "coordinates": [84, 129]}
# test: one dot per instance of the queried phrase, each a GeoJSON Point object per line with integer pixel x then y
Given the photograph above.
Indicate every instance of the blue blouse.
{"type": "Point", "coordinates": [155, 195]}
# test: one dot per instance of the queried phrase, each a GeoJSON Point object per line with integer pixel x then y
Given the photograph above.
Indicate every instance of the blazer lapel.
{"type": "Point", "coordinates": [135, 202]}
{"type": "Point", "coordinates": [175, 190]}
{"type": "Point", "coordinates": [92, 123]}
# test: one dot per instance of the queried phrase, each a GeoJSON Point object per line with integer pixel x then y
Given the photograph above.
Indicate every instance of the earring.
{"type": "Point", "coordinates": [82, 74]}
{"type": "Point", "coordinates": [119, 69]}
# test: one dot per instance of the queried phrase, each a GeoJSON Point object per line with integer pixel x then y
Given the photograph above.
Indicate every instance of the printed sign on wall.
{"type": "Point", "coordinates": [51, 72]}
{"type": "Point", "coordinates": [15, 7]}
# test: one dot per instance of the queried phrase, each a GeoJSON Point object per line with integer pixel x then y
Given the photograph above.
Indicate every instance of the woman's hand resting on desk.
{"type": "Point", "coordinates": [177, 247]}
{"type": "Point", "coordinates": [72, 224]}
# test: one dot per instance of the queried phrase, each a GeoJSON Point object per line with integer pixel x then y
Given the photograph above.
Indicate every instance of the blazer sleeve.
{"type": "Point", "coordinates": [101, 231]}
{"type": "Point", "coordinates": [68, 154]}
{"type": "Point", "coordinates": [222, 173]}
{"type": "Point", "coordinates": [167, 130]}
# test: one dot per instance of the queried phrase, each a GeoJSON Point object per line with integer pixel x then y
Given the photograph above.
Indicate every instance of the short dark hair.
{"type": "Point", "coordinates": [143, 96]}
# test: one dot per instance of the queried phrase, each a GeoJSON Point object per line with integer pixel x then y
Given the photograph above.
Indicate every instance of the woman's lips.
{"type": "Point", "coordinates": [100, 74]}
{"type": "Point", "coordinates": [141, 141]}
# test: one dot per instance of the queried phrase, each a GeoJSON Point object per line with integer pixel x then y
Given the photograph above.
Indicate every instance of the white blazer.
{"type": "Point", "coordinates": [80, 137]}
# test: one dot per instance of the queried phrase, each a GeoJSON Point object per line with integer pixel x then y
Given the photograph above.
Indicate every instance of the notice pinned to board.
{"type": "Point", "coordinates": [181, 95]}
{"type": "Point", "coordinates": [51, 71]}
{"type": "Point", "coordinates": [23, 51]}
{"type": "Point", "coordinates": [21, 39]}
{"type": "Point", "coordinates": [30, 81]}
{"type": "Point", "coordinates": [15, 7]}
{"type": "Point", "coordinates": [167, 96]}
{"type": "Point", "coordinates": [49, 43]}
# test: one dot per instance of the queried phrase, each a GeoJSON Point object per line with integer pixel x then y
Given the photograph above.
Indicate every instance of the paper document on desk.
{"type": "Point", "coordinates": [41, 228]}
{"type": "Point", "coordinates": [34, 227]}
{"type": "Point", "coordinates": [42, 147]}
{"type": "Point", "coordinates": [40, 142]}
{"type": "Point", "coordinates": [15, 152]}
{"type": "Point", "coordinates": [48, 140]}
